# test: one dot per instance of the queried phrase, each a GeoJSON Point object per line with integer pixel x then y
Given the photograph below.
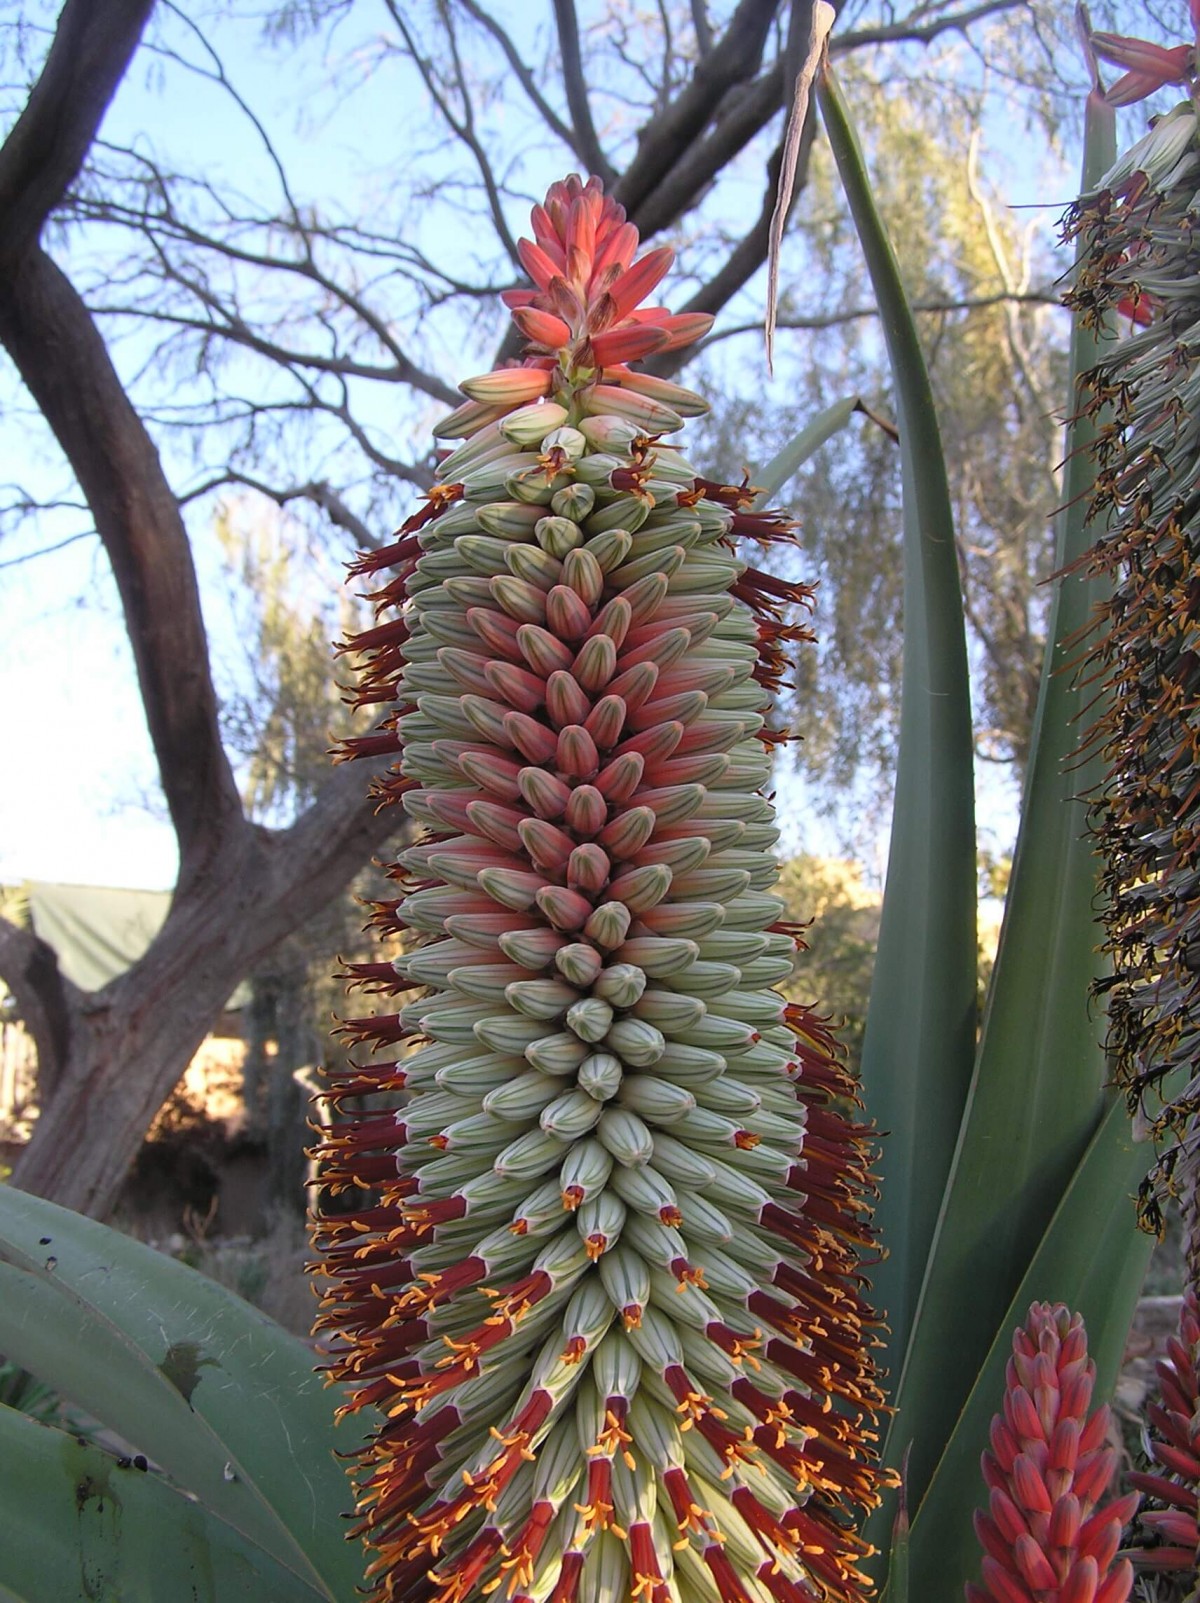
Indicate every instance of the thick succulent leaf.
{"type": "Point", "coordinates": [920, 1036]}
{"type": "Point", "coordinates": [209, 1388]}
{"type": "Point", "coordinates": [1035, 1097]}
{"type": "Point", "coordinates": [75, 1522]}
{"type": "Point", "coordinates": [1093, 1258]}
{"type": "Point", "coordinates": [788, 462]}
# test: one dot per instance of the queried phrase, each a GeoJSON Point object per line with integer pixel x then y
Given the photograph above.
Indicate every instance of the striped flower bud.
{"type": "Point", "coordinates": [1048, 1536]}
{"type": "Point", "coordinates": [608, 1298]}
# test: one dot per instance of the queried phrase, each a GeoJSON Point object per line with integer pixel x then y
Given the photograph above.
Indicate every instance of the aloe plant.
{"type": "Point", "coordinates": [598, 1307]}
{"type": "Point", "coordinates": [228, 1481]}
{"type": "Point", "coordinates": [609, 1298]}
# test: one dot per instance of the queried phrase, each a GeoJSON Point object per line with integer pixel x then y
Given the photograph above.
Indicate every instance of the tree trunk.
{"type": "Point", "coordinates": [127, 1046]}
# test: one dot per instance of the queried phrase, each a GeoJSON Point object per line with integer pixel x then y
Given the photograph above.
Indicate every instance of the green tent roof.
{"type": "Point", "coordinates": [98, 931]}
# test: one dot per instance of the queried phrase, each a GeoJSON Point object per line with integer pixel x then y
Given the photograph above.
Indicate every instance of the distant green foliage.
{"type": "Point", "coordinates": [834, 970]}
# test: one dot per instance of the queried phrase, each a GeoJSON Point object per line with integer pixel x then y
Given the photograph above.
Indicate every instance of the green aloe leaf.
{"type": "Point", "coordinates": [1035, 1097]}
{"type": "Point", "coordinates": [77, 1523]}
{"type": "Point", "coordinates": [788, 462]}
{"type": "Point", "coordinates": [214, 1391]}
{"type": "Point", "coordinates": [1093, 1258]}
{"type": "Point", "coordinates": [920, 1036]}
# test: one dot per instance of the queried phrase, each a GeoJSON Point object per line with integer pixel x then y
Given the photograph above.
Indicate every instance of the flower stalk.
{"type": "Point", "coordinates": [1138, 258]}
{"type": "Point", "coordinates": [609, 1296]}
{"type": "Point", "coordinates": [1174, 1446]}
{"type": "Point", "coordinates": [1048, 1536]}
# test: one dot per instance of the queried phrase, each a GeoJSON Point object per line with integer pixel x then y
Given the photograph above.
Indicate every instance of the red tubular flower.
{"type": "Point", "coordinates": [1175, 1447]}
{"type": "Point", "coordinates": [609, 1298]}
{"type": "Point", "coordinates": [1047, 1536]}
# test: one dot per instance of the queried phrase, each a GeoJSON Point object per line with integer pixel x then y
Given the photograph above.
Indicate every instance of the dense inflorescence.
{"type": "Point", "coordinates": [607, 1289]}
{"type": "Point", "coordinates": [1141, 258]}
{"type": "Point", "coordinates": [1174, 1446]}
{"type": "Point", "coordinates": [1048, 1535]}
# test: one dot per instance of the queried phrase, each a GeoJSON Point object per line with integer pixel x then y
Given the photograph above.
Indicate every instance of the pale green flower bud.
{"type": "Point", "coordinates": [655, 1099]}
{"type": "Point", "coordinates": [596, 468]}
{"type": "Point", "coordinates": [556, 1054]}
{"type": "Point", "coordinates": [657, 1342]}
{"type": "Point", "coordinates": [557, 535]}
{"type": "Point", "coordinates": [578, 963]}
{"type": "Point", "coordinates": [570, 441]}
{"type": "Point", "coordinates": [541, 1211]}
{"type": "Point", "coordinates": [605, 1573]}
{"type": "Point", "coordinates": [510, 1034]}
{"type": "Point", "coordinates": [573, 501]}
{"type": "Point", "coordinates": [559, 1467]}
{"type": "Point", "coordinates": [605, 433]}
{"type": "Point", "coordinates": [524, 1097]}
{"type": "Point", "coordinates": [668, 1011]}
{"type": "Point", "coordinates": [486, 483]}
{"type": "Point", "coordinates": [530, 1155]}
{"type": "Point", "coordinates": [590, 1018]}
{"type": "Point", "coordinates": [707, 979]}
{"type": "Point", "coordinates": [611, 548]}
{"type": "Point", "coordinates": [541, 999]}
{"type": "Point", "coordinates": [534, 485]}
{"type": "Point", "coordinates": [608, 925]}
{"type": "Point", "coordinates": [645, 1190]}
{"type": "Point", "coordinates": [532, 564]}
{"type": "Point", "coordinates": [600, 1075]}
{"type": "Point", "coordinates": [635, 1042]}
{"type": "Point", "coordinates": [572, 1114]}
{"type": "Point", "coordinates": [680, 1165]}
{"type": "Point", "coordinates": [529, 425]}
{"type": "Point", "coordinates": [588, 1316]}
{"type": "Point", "coordinates": [621, 984]}
{"type": "Point", "coordinates": [479, 1131]}
{"type": "Point", "coordinates": [585, 1170]}
{"type": "Point", "coordinates": [624, 1135]}
{"type": "Point", "coordinates": [600, 1222]}
{"type": "Point", "coordinates": [660, 1245]}
{"type": "Point", "coordinates": [514, 520]}
{"type": "Point", "coordinates": [626, 1278]}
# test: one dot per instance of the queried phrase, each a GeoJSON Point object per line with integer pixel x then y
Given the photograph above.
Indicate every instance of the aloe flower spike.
{"type": "Point", "coordinates": [1048, 1536]}
{"type": "Point", "coordinates": [606, 1299]}
{"type": "Point", "coordinates": [1137, 230]}
{"type": "Point", "coordinates": [1174, 1446]}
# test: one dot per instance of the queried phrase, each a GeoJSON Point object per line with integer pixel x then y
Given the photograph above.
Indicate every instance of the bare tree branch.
{"type": "Point", "coordinates": [166, 223]}
{"type": "Point", "coordinates": [734, 60]}
{"type": "Point", "coordinates": [320, 493]}
{"type": "Point", "coordinates": [858, 313]}
{"type": "Point", "coordinates": [336, 834]}
{"type": "Point", "coordinates": [745, 112]}
{"type": "Point", "coordinates": [463, 127]}
{"type": "Point", "coordinates": [700, 22]}
{"type": "Point", "coordinates": [44, 151]}
{"type": "Point", "coordinates": [907, 31]}
{"type": "Point", "coordinates": [47, 550]}
{"type": "Point", "coordinates": [525, 78]}
{"type": "Point", "coordinates": [587, 144]}
{"type": "Point", "coordinates": [751, 252]}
